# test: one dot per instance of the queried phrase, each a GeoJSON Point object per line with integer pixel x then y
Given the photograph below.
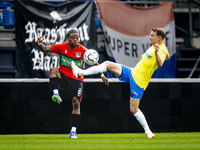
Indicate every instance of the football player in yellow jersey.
{"type": "Point", "coordinates": [139, 76]}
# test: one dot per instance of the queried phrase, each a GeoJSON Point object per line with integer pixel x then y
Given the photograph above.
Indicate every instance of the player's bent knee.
{"type": "Point", "coordinates": [109, 65]}
{"type": "Point", "coordinates": [133, 110]}
{"type": "Point", "coordinates": [107, 62]}
{"type": "Point", "coordinates": [76, 103]}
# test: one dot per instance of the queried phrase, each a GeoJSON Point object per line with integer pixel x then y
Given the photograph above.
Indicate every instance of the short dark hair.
{"type": "Point", "coordinates": [160, 32]}
{"type": "Point", "coordinates": [72, 31]}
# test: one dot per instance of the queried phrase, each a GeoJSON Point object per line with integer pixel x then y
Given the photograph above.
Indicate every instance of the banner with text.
{"type": "Point", "coordinates": [127, 30]}
{"type": "Point", "coordinates": [35, 19]}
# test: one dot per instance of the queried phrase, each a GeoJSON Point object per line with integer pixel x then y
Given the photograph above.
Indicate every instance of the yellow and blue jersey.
{"type": "Point", "coordinates": [147, 65]}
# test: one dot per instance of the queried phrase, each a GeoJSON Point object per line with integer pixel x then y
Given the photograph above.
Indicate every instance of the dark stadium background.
{"type": "Point", "coordinates": [170, 105]}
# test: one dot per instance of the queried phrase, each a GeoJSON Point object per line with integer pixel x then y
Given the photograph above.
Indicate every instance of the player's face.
{"type": "Point", "coordinates": [153, 37]}
{"type": "Point", "coordinates": [73, 39]}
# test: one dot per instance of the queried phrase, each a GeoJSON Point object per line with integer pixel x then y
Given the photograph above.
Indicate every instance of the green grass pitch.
{"type": "Point", "coordinates": [114, 141]}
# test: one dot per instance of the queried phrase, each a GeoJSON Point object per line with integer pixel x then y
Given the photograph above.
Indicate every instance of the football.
{"type": "Point", "coordinates": [91, 56]}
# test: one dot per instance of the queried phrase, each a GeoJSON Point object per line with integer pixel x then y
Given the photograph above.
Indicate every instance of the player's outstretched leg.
{"type": "Point", "coordinates": [77, 72]}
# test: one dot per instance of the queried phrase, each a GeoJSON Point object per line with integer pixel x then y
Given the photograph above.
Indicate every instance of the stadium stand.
{"type": "Point", "coordinates": [187, 31]}
{"type": "Point", "coordinates": [9, 19]}
{"type": "Point", "coordinates": [7, 39]}
{"type": "Point", "coordinates": [1, 21]}
{"type": "Point", "coordinates": [98, 22]}
{"type": "Point", "coordinates": [5, 4]}
{"type": "Point", "coordinates": [54, 3]}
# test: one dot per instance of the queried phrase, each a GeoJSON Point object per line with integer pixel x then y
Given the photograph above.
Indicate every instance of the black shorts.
{"type": "Point", "coordinates": [75, 87]}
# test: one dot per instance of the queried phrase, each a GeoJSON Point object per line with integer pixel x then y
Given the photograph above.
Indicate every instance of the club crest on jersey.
{"type": "Point", "coordinates": [78, 54]}
{"type": "Point", "coordinates": [65, 51]}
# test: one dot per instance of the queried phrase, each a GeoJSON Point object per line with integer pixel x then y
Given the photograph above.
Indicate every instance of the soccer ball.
{"type": "Point", "coordinates": [91, 56]}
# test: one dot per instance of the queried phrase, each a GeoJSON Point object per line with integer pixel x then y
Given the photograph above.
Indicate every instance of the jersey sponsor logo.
{"type": "Point", "coordinates": [66, 61]}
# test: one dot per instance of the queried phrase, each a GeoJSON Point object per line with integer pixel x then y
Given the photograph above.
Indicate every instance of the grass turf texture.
{"type": "Point", "coordinates": [187, 140]}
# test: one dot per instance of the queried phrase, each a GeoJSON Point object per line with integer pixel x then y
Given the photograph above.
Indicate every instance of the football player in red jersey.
{"type": "Point", "coordinates": [68, 52]}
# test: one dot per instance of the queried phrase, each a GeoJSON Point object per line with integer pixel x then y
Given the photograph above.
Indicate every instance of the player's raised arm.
{"type": "Point", "coordinates": [167, 57]}
{"type": "Point", "coordinates": [42, 47]}
{"type": "Point", "coordinates": [159, 61]}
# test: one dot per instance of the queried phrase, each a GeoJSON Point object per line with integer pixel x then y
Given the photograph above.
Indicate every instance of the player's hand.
{"type": "Point", "coordinates": [105, 80]}
{"type": "Point", "coordinates": [40, 39]}
{"type": "Point", "coordinates": [157, 47]}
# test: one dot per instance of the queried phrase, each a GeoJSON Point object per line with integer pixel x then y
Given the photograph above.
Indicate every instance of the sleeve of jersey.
{"type": "Point", "coordinates": [54, 48]}
{"type": "Point", "coordinates": [165, 54]}
{"type": "Point", "coordinates": [84, 48]}
{"type": "Point", "coordinates": [166, 51]}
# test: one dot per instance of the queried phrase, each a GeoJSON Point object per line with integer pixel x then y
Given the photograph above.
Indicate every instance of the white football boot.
{"type": "Point", "coordinates": [150, 134]}
{"type": "Point", "coordinates": [75, 69]}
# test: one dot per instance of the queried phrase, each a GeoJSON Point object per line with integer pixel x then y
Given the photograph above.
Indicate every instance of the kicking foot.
{"type": "Point", "coordinates": [75, 69]}
{"type": "Point", "coordinates": [150, 134]}
{"type": "Point", "coordinates": [72, 135]}
{"type": "Point", "coordinates": [56, 98]}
